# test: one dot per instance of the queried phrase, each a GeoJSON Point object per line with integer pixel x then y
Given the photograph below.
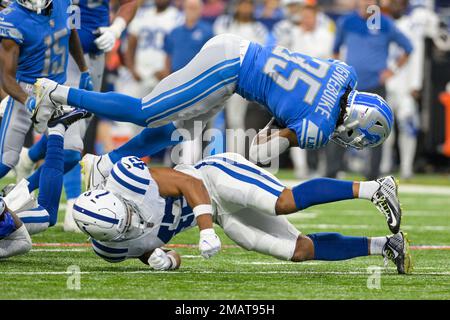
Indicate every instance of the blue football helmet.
{"type": "Point", "coordinates": [35, 5]}
{"type": "Point", "coordinates": [367, 122]}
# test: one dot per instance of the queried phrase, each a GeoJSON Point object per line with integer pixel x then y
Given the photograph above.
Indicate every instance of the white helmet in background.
{"type": "Point", "coordinates": [35, 5]}
{"type": "Point", "coordinates": [102, 215]}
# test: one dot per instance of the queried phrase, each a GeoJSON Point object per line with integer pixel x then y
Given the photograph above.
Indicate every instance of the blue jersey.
{"type": "Point", "coordinates": [303, 93]}
{"type": "Point", "coordinates": [43, 40]}
{"type": "Point", "coordinates": [94, 14]}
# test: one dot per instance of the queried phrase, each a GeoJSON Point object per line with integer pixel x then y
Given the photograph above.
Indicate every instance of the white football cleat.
{"type": "Point", "coordinates": [95, 170]}
{"type": "Point", "coordinates": [45, 106]}
{"type": "Point", "coordinates": [387, 202]}
{"type": "Point", "coordinates": [25, 165]}
{"type": "Point", "coordinates": [69, 223]}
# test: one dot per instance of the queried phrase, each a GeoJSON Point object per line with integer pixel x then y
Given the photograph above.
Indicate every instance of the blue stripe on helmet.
{"type": "Point", "coordinates": [95, 215]}
{"type": "Point", "coordinates": [127, 185]}
{"type": "Point", "coordinates": [130, 175]}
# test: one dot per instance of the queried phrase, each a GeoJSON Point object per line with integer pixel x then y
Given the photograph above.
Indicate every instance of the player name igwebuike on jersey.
{"type": "Point", "coordinates": [333, 90]}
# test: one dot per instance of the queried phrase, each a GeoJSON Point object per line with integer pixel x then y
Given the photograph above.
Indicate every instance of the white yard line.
{"type": "Point", "coordinates": [190, 272]}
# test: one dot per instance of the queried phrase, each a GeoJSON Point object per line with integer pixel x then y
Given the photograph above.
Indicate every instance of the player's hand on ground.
{"type": "Point", "coordinates": [209, 244]}
{"type": "Point", "coordinates": [106, 40]}
{"type": "Point", "coordinates": [159, 260]}
{"type": "Point", "coordinates": [86, 81]}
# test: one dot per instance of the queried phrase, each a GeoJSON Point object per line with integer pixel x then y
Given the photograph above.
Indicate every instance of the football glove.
{"type": "Point", "coordinates": [160, 260]}
{"type": "Point", "coordinates": [86, 81]}
{"type": "Point", "coordinates": [209, 244]}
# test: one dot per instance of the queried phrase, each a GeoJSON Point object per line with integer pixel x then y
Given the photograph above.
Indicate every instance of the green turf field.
{"type": "Point", "coordinates": [238, 274]}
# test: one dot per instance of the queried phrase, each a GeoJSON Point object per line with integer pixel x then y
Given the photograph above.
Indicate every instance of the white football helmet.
{"type": "Point", "coordinates": [35, 5]}
{"type": "Point", "coordinates": [105, 216]}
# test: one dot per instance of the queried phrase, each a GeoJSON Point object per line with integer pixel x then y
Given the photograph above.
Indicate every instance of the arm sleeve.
{"type": "Point", "coordinates": [18, 242]}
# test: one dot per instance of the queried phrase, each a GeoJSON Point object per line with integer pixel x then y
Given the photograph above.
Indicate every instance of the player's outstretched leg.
{"type": "Point", "coordinates": [382, 192]}
{"type": "Point", "coordinates": [335, 247]}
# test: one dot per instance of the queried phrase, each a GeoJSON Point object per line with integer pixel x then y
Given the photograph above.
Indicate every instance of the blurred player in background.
{"type": "Point", "coordinates": [404, 88]}
{"type": "Point", "coordinates": [97, 37]}
{"type": "Point", "coordinates": [307, 32]}
{"type": "Point", "coordinates": [20, 214]}
{"type": "Point", "coordinates": [140, 210]}
{"type": "Point", "coordinates": [363, 40]}
{"type": "Point", "coordinates": [36, 38]}
{"type": "Point", "coordinates": [240, 22]}
{"type": "Point", "coordinates": [144, 56]}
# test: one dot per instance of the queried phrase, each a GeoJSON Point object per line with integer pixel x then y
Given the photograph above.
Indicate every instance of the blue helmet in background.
{"type": "Point", "coordinates": [367, 122]}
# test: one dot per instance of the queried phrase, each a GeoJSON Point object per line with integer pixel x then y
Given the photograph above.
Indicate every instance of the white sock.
{"type": "Point", "coordinates": [367, 189]}
{"type": "Point", "coordinates": [60, 94]}
{"type": "Point", "coordinates": [377, 245]}
{"type": "Point", "coordinates": [59, 130]}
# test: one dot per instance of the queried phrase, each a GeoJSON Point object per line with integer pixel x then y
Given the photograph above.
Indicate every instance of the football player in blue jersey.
{"type": "Point", "coordinates": [36, 38]}
{"type": "Point", "coordinates": [313, 100]}
{"type": "Point", "coordinates": [97, 37]}
{"type": "Point", "coordinates": [20, 214]}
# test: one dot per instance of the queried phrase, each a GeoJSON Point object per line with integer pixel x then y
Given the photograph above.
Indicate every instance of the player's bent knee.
{"type": "Point", "coordinates": [285, 203]}
{"type": "Point", "coordinates": [304, 250]}
{"type": "Point", "coordinates": [10, 158]}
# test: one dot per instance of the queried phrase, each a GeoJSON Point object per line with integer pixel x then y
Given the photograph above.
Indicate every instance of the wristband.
{"type": "Point", "coordinates": [202, 209]}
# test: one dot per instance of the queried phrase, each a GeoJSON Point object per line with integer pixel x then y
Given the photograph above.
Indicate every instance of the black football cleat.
{"type": "Point", "coordinates": [67, 118]}
{"type": "Point", "coordinates": [396, 249]}
{"type": "Point", "coordinates": [387, 202]}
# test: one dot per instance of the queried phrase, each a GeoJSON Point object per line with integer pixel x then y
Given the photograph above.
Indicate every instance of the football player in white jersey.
{"type": "Point", "coordinates": [139, 210]}
{"type": "Point", "coordinates": [404, 88]}
{"type": "Point", "coordinates": [145, 57]}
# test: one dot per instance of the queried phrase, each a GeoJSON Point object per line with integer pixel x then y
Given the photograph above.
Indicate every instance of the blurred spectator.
{"type": "Point", "coordinates": [303, 32]}
{"type": "Point", "coordinates": [404, 88]}
{"type": "Point", "coordinates": [185, 41]}
{"type": "Point", "coordinates": [366, 37]}
{"type": "Point", "coordinates": [145, 57]}
{"type": "Point", "coordinates": [212, 9]}
{"type": "Point", "coordinates": [269, 13]}
{"type": "Point", "coordinates": [242, 23]}
{"type": "Point", "coordinates": [181, 45]}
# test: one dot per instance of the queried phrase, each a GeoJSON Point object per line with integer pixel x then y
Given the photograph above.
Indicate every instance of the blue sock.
{"type": "Point", "coordinates": [71, 159]}
{"type": "Point", "coordinates": [147, 143]}
{"type": "Point", "coordinates": [111, 105]}
{"type": "Point", "coordinates": [321, 190]}
{"type": "Point", "coordinates": [37, 151]}
{"type": "Point", "coordinates": [51, 177]}
{"type": "Point", "coordinates": [4, 169]}
{"type": "Point", "coordinates": [330, 246]}
{"type": "Point", "coordinates": [72, 182]}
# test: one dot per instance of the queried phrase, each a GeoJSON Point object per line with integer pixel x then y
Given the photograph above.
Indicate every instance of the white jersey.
{"type": "Point", "coordinates": [163, 217]}
{"type": "Point", "coordinates": [253, 31]}
{"type": "Point", "coordinates": [150, 27]}
{"type": "Point", "coordinates": [317, 43]}
{"type": "Point", "coordinates": [417, 25]}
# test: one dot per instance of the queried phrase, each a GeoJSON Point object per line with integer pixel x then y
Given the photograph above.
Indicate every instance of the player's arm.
{"type": "Point", "coordinates": [130, 56]}
{"type": "Point", "coordinates": [76, 51]}
{"type": "Point", "coordinates": [161, 259]}
{"type": "Point", "coordinates": [270, 142]}
{"type": "Point", "coordinates": [9, 56]}
{"type": "Point", "coordinates": [173, 183]}
{"type": "Point", "coordinates": [109, 35]}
